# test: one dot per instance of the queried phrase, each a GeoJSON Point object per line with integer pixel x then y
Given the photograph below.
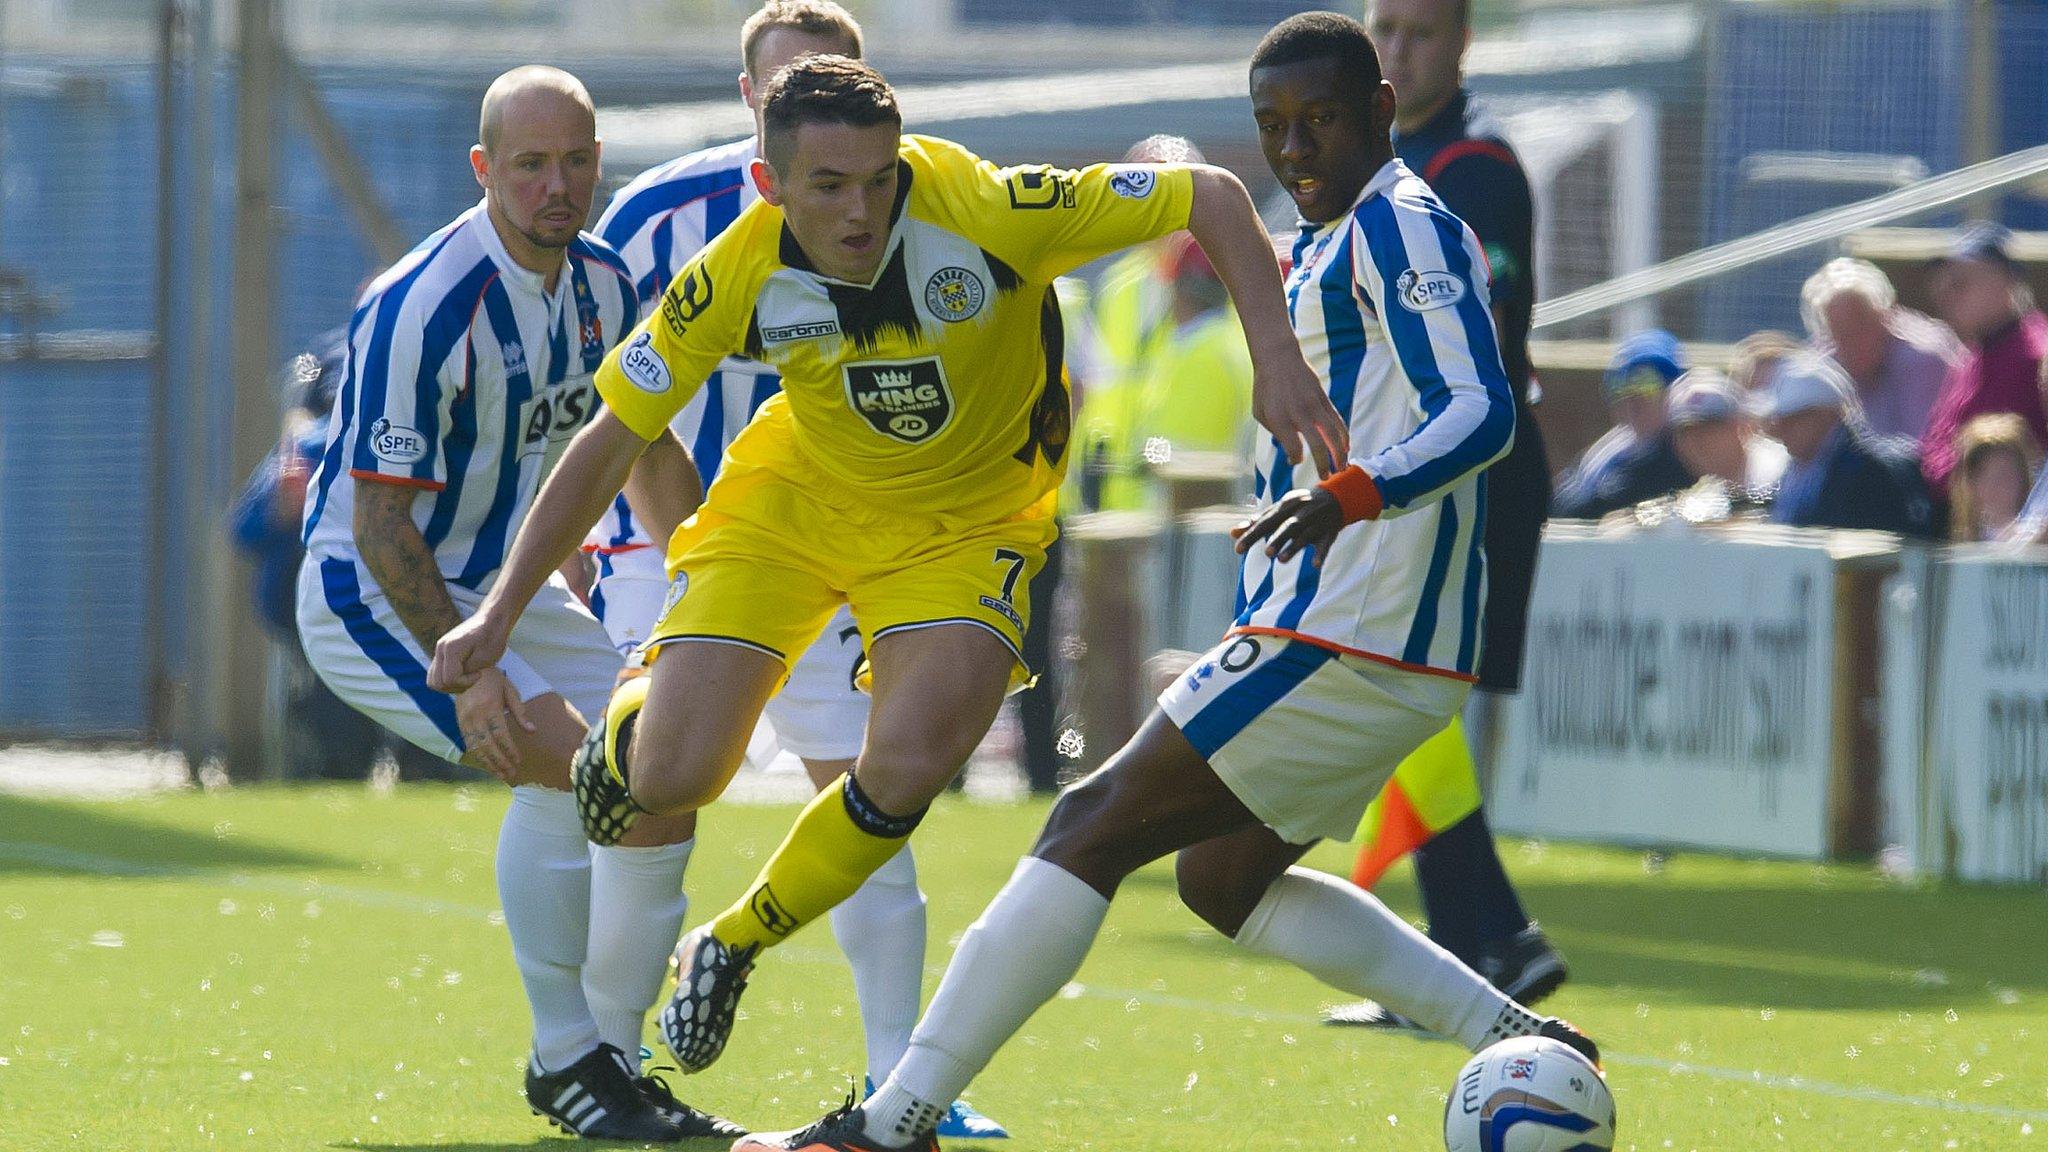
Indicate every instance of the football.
{"type": "Point", "coordinates": [1529, 1094]}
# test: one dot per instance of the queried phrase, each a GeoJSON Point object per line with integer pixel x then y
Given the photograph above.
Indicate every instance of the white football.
{"type": "Point", "coordinates": [1529, 1094]}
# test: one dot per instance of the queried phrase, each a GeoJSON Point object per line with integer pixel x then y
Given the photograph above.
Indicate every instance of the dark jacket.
{"type": "Point", "coordinates": [1874, 483]}
{"type": "Point", "coordinates": [1608, 481]}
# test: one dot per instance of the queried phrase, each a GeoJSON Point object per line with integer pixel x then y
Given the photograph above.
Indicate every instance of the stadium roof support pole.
{"type": "Point", "coordinates": [1980, 97]}
{"type": "Point", "coordinates": [155, 609]}
{"type": "Point", "coordinates": [351, 178]}
{"type": "Point", "coordinates": [241, 678]}
{"type": "Point", "coordinates": [1916, 199]}
{"type": "Point", "coordinates": [197, 508]}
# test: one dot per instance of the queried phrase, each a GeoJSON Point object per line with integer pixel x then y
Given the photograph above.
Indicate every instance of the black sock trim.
{"type": "Point", "coordinates": [871, 819]}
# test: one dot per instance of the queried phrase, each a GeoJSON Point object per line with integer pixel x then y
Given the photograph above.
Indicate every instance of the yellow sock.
{"type": "Point", "coordinates": [838, 840]}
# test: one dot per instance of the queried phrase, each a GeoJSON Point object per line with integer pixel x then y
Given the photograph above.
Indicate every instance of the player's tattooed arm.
{"type": "Point", "coordinates": [397, 555]}
{"type": "Point", "coordinates": [664, 488]}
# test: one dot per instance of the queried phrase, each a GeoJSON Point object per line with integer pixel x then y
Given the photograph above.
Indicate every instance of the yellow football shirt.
{"type": "Point", "coordinates": [937, 389]}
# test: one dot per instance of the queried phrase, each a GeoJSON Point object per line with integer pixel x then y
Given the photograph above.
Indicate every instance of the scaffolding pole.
{"type": "Point", "coordinates": [240, 681]}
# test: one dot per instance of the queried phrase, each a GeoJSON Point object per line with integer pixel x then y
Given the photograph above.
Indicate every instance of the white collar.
{"type": "Point", "coordinates": [515, 273]}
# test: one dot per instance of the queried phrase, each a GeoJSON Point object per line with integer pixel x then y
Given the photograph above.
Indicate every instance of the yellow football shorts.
{"type": "Point", "coordinates": [767, 560]}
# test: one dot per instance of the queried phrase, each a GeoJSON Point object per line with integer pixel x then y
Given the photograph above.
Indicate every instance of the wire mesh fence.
{"type": "Point", "coordinates": [1649, 131]}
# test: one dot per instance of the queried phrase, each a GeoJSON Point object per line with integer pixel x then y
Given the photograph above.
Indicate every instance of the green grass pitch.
{"type": "Point", "coordinates": [313, 968]}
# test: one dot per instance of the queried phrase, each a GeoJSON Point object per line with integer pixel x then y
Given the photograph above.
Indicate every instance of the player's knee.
{"type": "Point", "coordinates": [1223, 898]}
{"type": "Point", "coordinates": [1085, 836]}
{"type": "Point", "coordinates": [903, 774]}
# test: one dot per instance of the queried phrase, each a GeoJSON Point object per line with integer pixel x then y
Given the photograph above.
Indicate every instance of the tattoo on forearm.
{"type": "Point", "coordinates": [397, 555]}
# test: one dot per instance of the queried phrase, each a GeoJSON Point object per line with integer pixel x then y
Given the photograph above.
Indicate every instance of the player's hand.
{"type": "Point", "coordinates": [466, 651]}
{"type": "Point", "coordinates": [489, 713]}
{"type": "Point", "coordinates": [1304, 518]}
{"type": "Point", "coordinates": [1288, 398]}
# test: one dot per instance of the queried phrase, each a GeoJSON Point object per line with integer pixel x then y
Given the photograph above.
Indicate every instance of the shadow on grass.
{"type": "Point", "coordinates": [45, 837]}
{"type": "Point", "coordinates": [1825, 946]}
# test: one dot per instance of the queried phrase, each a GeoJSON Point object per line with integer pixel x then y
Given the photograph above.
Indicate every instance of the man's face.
{"type": "Point", "coordinates": [1321, 139]}
{"type": "Point", "coordinates": [1861, 338]}
{"type": "Point", "coordinates": [1973, 296]}
{"type": "Point", "coordinates": [1421, 45]}
{"type": "Point", "coordinates": [1642, 412]}
{"type": "Point", "coordinates": [541, 173]}
{"type": "Point", "coordinates": [835, 189]}
{"type": "Point", "coordinates": [1712, 448]}
{"type": "Point", "coordinates": [1803, 433]}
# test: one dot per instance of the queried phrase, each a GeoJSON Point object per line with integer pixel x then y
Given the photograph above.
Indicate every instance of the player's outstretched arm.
{"type": "Point", "coordinates": [1286, 395]}
{"type": "Point", "coordinates": [591, 472]}
{"type": "Point", "coordinates": [664, 487]}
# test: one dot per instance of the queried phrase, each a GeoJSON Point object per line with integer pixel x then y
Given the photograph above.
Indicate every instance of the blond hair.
{"type": "Point", "coordinates": [1978, 440]}
{"type": "Point", "coordinates": [820, 18]}
{"type": "Point", "coordinates": [1758, 351]}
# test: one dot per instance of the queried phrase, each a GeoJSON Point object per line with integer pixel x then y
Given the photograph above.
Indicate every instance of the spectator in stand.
{"type": "Point", "coordinates": [1714, 437]}
{"type": "Point", "coordinates": [1896, 358]}
{"type": "Point", "coordinates": [1634, 461]}
{"type": "Point", "coordinates": [1980, 291]}
{"type": "Point", "coordinates": [327, 739]}
{"type": "Point", "coordinates": [1841, 476]}
{"type": "Point", "coordinates": [1996, 462]}
{"type": "Point", "coordinates": [1757, 355]}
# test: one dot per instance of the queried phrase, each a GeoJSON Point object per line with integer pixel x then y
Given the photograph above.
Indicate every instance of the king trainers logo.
{"type": "Point", "coordinates": [904, 400]}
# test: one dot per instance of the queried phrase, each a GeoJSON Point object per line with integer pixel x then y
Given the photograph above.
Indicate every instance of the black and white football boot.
{"type": "Point", "coordinates": [694, 1123]}
{"type": "Point", "coordinates": [596, 1098]}
{"type": "Point", "coordinates": [709, 979]}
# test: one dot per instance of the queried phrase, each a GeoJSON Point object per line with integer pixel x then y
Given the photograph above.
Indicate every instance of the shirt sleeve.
{"type": "Point", "coordinates": [402, 396]}
{"type": "Point", "coordinates": [1061, 218]}
{"type": "Point", "coordinates": [1420, 273]}
{"type": "Point", "coordinates": [703, 318]}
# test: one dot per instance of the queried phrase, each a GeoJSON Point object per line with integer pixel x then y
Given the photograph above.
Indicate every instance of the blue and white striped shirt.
{"type": "Point", "coordinates": [1389, 303]}
{"type": "Point", "coordinates": [657, 223]}
{"type": "Point", "coordinates": [466, 379]}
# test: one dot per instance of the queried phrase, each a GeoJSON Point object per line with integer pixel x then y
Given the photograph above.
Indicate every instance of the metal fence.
{"type": "Point", "coordinates": [1653, 129]}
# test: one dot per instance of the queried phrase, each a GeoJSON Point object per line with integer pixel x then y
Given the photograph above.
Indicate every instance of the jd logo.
{"type": "Point", "coordinates": [904, 400]}
{"type": "Point", "coordinates": [687, 298]}
{"type": "Point", "coordinates": [772, 915]}
{"type": "Point", "coordinates": [1040, 188]}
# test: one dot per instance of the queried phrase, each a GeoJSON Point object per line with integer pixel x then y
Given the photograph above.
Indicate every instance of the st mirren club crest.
{"type": "Point", "coordinates": [954, 294]}
{"type": "Point", "coordinates": [905, 400]}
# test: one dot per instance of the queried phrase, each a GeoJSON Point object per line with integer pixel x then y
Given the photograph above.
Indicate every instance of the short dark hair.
{"type": "Point", "coordinates": [1322, 36]}
{"type": "Point", "coordinates": [820, 18]}
{"type": "Point", "coordinates": [825, 90]}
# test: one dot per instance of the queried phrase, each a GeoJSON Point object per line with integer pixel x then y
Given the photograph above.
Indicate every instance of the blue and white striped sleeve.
{"type": "Point", "coordinates": [401, 404]}
{"type": "Point", "coordinates": [630, 233]}
{"type": "Point", "coordinates": [1421, 270]}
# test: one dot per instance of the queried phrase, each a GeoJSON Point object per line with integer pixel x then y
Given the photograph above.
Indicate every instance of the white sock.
{"type": "Point", "coordinates": [1028, 943]}
{"type": "Point", "coordinates": [636, 912]}
{"type": "Point", "coordinates": [1340, 934]}
{"type": "Point", "coordinates": [544, 886]}
{"type": "Point", "coordinates": [881, 928]}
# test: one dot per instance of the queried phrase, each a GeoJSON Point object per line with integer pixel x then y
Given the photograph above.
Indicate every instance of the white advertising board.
{"type": "Point", "coordinates": [1678, 692]}
{"type": "Point", "coordinates": [1990, 748]}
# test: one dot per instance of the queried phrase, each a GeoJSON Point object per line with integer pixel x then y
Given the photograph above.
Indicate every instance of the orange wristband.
{"type": "Point", "coordinates": [1356, 494]}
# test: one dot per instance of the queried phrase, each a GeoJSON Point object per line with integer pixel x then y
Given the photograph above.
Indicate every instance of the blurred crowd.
{"type": "Point", "coordinates": [1880, 418]}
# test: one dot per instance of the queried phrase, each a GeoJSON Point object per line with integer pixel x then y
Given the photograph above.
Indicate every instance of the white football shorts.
{"type": "Point", "coordinates": [1304, 735]}
{"type": "Point", "coordinates": [355, 641]}
{"type": "Point", "coordinates": [817, 715]}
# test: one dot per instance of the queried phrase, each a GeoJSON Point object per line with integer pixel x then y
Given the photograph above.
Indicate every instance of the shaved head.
{"type": "Point", "coordinates": [529, 85]}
